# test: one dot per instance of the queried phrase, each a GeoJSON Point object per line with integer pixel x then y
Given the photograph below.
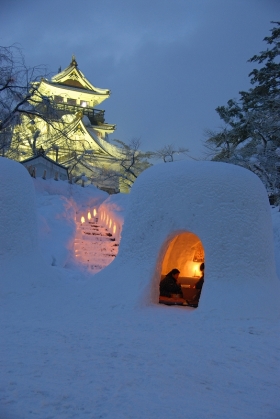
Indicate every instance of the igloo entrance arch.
{"type": "Point", "coordinates": [185, 252]}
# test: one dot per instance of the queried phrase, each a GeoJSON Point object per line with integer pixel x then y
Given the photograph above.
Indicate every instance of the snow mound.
{"type": "Point", "coordinates": [22, 264]}
{"type": "Point", "coordinates": [116, 203]}
{"type": "Point", "coordinates": [89, 196]}
{"type": "Point", "coordinates": [227, 208]}
{"type": "Point", "coordinates": [275, 213]}
{"type": "Point", "coordinates": [18, 226]}
{"type": "Point", "coordinates": [57, 228]}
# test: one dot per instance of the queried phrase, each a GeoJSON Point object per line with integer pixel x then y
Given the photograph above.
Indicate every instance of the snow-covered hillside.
{"type": "Point", "coordinates": [73, 349]}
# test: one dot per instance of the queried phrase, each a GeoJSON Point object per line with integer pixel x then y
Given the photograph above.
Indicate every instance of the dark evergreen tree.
{"type": "Point", "coordinates": [251, 135]}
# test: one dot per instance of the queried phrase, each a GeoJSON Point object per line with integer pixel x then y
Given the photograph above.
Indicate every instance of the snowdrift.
{"type": "Point", "coordinates": [21, 262]}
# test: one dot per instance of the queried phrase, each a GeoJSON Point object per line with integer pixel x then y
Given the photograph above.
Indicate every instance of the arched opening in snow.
{"type": "Point", "coordinates": [184, 252]}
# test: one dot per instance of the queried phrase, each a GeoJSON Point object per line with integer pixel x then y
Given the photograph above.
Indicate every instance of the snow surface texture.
{"type": "Point", "coordinates": [20, 256]}
{"type": "Point", "coordinates": [275, 212]}
{"type": "Point", "coordinates": [227, 208]}
{"type": "Point", "coordinates": [18, 233]}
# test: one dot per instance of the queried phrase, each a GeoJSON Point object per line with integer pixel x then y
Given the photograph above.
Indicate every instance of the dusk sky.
{"type": "Point", "coordinates": [168, 64]}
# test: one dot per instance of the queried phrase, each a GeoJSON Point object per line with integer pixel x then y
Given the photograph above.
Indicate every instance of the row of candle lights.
{"type": "Point", "coordinates": [94, 213]}
{"type": "Point", "coordinates": [108, 221]}
{"type": "Point", "coordinates": [105, 218]}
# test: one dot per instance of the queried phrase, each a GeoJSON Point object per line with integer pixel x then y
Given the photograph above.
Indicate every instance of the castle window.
{"type": "Point", "coordinates": [71, 101]}
{"type": "Point", "coordinates": [58, 99]}
{"type": "Point", "coordinates": [84, 103]}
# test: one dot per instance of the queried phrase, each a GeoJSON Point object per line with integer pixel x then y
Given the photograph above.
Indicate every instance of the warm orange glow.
{"type": "Point", "coordinates": [180, 254]}
{"type": "Point", "coordinates": [89, 216]}
{"type": "Point", "coordinates": [114, 228]}
{"type": "Point", "coordinates": [110, 223]}
{"type": "Point", "coordinates": [196, 270]}
{"type": "Point", "coordinates": [107, 220]}
{"type": "Point", "coordinates": [94, 212]}
{"type": "Point", "coordinates": [83, 220]}
{"type": "Point", "coordinates": [199, 253]}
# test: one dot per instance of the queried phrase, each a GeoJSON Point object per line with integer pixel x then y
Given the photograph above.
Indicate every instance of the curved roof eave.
{"type": "Point", "coordinates": [106, 127]}
{"type": "Point", "coordinates": [108, 148]}
{"type": "Point", "coordinates": [63, 75]}
{"type": "Point", "coordinates": [77, 89]}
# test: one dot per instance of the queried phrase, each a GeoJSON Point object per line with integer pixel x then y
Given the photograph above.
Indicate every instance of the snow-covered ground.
{"type": "Point", "coordinates": [70, 349]}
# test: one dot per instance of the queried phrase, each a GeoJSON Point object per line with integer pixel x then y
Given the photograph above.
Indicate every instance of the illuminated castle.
{"type": "Point", "coordinates": [78, 137]}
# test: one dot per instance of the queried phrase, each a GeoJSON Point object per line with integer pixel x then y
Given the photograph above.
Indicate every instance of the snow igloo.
{"type": "Point", "coordinates": [182, 213]}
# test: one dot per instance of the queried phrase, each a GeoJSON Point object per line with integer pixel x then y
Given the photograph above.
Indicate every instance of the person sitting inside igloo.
{"type": "Point", "coordinates": [169, 284]}
{"type": "Point", "coordinates": [198, 286]}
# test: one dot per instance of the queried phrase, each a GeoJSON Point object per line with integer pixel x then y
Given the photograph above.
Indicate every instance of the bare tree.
{"type": "Point", "coordinates": [20, 97]}
{"type": "Point", "coordinates": [129, 160]}
{"type": "Point", "coordinates": [168, 152]}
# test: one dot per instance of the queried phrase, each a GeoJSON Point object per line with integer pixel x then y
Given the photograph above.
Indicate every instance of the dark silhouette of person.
{"type": "Point", "coordinates": [198, 286]}
{"type": "Point", "coordinates": [169, 284]}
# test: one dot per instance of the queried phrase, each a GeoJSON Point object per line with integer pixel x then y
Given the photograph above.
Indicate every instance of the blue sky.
{"type": "Point", "coordinates": [168, 64]}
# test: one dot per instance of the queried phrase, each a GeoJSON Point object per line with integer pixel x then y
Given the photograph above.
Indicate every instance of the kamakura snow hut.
{"type": "Point", "coordinates": [227, 209]}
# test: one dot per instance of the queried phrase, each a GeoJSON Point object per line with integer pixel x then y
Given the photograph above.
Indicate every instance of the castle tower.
{"type": "Point", "coordinates": [77, 136]}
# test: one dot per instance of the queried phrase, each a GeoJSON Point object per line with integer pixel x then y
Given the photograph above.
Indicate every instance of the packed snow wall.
{"type": "Point", "coordinates": [111, 213]}
{"type": "Point", "coordinates": [20, 257]}
{"type": "Point", "coordinates": [18, 227]}
{"type": "Point", "coordinates": [227, 208]}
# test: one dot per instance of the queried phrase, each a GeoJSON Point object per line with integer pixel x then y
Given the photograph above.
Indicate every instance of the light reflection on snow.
{"type": "Point", "coordinates": [95, 244]}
